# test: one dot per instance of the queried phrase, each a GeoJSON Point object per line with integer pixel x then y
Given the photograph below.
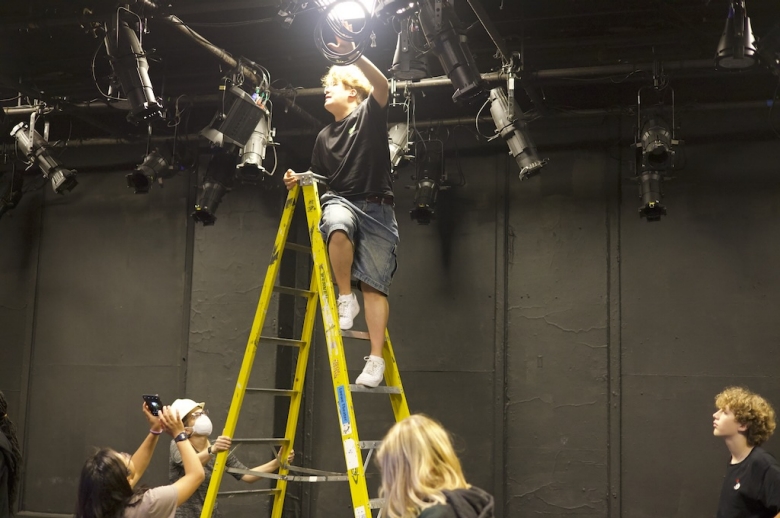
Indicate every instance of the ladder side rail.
{"type": "Point", "coordinates": [335, 346]}
{"type": "Point", "coordinates": [393, 379]}
{"type": "Point", "coordinates": [296, 399]}
{"type": "Point", "coordinates": [251, 348]}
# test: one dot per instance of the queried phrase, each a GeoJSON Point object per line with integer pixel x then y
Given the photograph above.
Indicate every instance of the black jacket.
{"type": "Point", "coordinates": [463, 503]}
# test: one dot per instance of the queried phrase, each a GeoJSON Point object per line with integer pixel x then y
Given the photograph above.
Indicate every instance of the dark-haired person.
{"type": "Point", "coordinates": [358, 219]}
{"type": "Point", "coordinates": [199, 427]}
{"type": "Point", "coordinates": [107, 487]}
{"type": "Point", "coordinates": [751, 487]}
{"type": "Point", "coordinates": [10, 461]}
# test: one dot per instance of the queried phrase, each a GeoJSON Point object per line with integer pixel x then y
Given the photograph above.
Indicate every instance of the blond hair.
{"type": "Point", "coordinates": [751, 410]}
{"type": "Point", "coordinates": [349, 76]}
{"type": "Point", "coordinates": [417, 461]}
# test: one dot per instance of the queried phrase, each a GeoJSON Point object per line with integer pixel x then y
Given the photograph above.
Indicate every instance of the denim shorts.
{"type": "Point", "coordinates": [373, 230]}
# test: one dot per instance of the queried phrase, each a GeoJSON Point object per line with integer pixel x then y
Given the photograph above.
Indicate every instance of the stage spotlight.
{"type": "Point", "coordinates": [515, 133]}
{"type": "Point", "coordinates": [737, 46]}
{"type": "Point", "coordinates": [439, 21]}
{"type": "Point", "coordinates": [408, 64]}
{"type": "Point", "coordinates": [242, 119]}
{"type": "Point", "coordinates": [219, 179]}
{"type": "Point", "coordinates": [35, 147]}
{"type": "Point", "coordinates": [128, 61]}
{"type": "Point", "coordinates": [655, 151]}
{"type": "Point", "coordinates": [399, 143]}
{"type": "Point", "coordinates": [156, 164]}
{"type": "Point", "coordinates": [250, 167]}
{"type": "Point", "coordinates": [428, 179]}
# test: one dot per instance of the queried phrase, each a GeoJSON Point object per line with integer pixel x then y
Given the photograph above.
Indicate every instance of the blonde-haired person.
{"type": "Point", "coordinates": [751, 487]}
{"type": "Point", "coordinates": [422, 476]}
{"type": "Point", "coordinates": [358, 218]}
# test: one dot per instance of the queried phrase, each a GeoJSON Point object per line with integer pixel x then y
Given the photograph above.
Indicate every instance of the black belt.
{"type": "Point", "coordinates": [380, 199]}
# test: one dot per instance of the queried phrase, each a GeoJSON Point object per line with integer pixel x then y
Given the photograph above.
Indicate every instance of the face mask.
{"type": "Point", "coordinates": [202, 426]}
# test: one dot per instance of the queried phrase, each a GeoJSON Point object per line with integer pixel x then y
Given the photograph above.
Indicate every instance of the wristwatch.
{"type": "Point", "coordinates": [181, 437]}
{"type": "Point", "coordinates": [209, 450]}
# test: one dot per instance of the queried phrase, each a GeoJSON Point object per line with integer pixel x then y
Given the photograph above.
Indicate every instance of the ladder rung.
{"type": "Point", "coordinates": [282, 341]}
{"type": "Point", "coordinates": [369, 445]}
{"type": "Point", "coordinates": [375, 390]}
{"type": "Point", "coordinates": [273, 392]}
{"type": "Point", "coordinates": [247, 491]}
{"type": "Point", "coordinates": [270, 440]}
{"type": "Point", "coordinates": [335, 477]}
{"type": "Point", "coordinates": [294, 291]}
{"type": "Point", "coordinates": [360, 335]}
{"type": "Point", "coordinates": [376, 503]}
{"type": "Point", "coordinates": [295, 247]}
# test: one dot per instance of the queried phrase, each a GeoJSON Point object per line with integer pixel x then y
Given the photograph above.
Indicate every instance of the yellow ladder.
{"type": "Point", "coordinates": [321, 290]}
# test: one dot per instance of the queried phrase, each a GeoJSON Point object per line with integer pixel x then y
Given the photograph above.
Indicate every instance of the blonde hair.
{"type": "Point", "coordinates": [351, 77]}
{"type": "Point", "coordinates": [417, 461]}
{"type": "Point", "coordinates": [751, 410]}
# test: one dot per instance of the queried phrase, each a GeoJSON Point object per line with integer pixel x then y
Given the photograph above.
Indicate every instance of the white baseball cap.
{"type": "Point", "coordinates": [185, 406]}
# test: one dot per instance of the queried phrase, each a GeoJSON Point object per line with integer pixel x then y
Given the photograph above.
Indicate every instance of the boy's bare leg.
{"type": "Point", "coordinates": [341, 254]}
{"type": "Point", "coordinates": [377, 314]}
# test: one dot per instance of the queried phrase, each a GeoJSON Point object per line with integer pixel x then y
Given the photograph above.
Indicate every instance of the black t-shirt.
{"type": "Point", "coordinates": [751, 489]}
{"type": "Point", "coordinates": [354, 154]}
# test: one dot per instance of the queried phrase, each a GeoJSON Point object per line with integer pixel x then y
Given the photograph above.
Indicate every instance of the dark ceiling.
{"type": "Point", "coordinates": [576, 55]}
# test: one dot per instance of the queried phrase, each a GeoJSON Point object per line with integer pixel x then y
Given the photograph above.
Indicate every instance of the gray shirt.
{"type": "Point", "coordinates": [194, 505]}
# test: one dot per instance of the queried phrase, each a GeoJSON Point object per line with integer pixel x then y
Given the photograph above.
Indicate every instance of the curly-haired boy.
{"type": "Point", "coordinates": [751, 487]}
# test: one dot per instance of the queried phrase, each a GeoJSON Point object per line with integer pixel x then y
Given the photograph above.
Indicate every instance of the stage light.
{"type": "Point", "coordinates": [398, 137]}
{"type": "Point", "coordinates": [237, 127]}
{"type": "Point", "coordinates": [515, 133]}
{"type": "Point", "coordinates": [157, 164]}
{"type": "Point", "coordinates": [441, 27]}
{"type": "Point", "coordinates": [34, 146]}
{"type": "Point", "coordinates": [349, 10]}
{"type": "Point", "coordinates": [131, 69]}
{"type": "Point", "coordinates": [737, 46]}
{"type": "Point", "coordinates": [408, 64]}
{"type": "Point", "coordinates": [428, 179]}
{"type": "Point", "coordinates": [219, 179]}
{"type": "Point", "coordinates": [655, 151]}
{"type": "Point", "coordinates": [250, 167]}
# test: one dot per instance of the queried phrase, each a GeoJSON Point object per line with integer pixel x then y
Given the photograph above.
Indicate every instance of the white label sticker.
{"type": "Point", "coordinates": [360, 512]}
{"type": "Point", "coordinates": [350, 452]}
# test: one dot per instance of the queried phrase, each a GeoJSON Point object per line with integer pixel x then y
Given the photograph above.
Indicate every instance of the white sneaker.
{"type": "Point", "coordinates": [348, 310]}
{"type": "Point", "coordinates": [372, 373]}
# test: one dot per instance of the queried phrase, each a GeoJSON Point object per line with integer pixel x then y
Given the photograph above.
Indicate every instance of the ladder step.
{"type": "Point", "coordinates": [295, 247]}
{"type": "Point", "coordinates": [360, 335]}
{"type": "Point", "coordinates": [369, 445]}
{"type": "Point", "coordinates": [376, 390]}
{"type": "Point", "coordinates": [282, 341]}
{"type": "Point", "coordinates": [273, 392]}
{"type": "Point", "coordinates": [294, 291]}
{"type": "Point", "coordinates": [247, 491]}
{"type": "Point", "coordinates": [271, 440]}
{"type": "Point", "coordinates": [376, 503]}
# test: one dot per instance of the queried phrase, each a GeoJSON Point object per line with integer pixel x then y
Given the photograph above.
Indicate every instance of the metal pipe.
{"type": "Point", "coordinates": [248, 73]}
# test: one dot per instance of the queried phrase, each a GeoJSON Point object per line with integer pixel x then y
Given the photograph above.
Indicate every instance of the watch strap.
{"type": "Point", "coordinates": [181, 437]}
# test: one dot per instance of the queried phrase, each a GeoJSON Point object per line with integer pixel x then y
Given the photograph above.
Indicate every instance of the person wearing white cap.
{"type": "Point", "coordinates": [199, 427]}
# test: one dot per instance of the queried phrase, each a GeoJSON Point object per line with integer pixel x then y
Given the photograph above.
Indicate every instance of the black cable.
{"type": "Point", "coordinates": [360, 38]}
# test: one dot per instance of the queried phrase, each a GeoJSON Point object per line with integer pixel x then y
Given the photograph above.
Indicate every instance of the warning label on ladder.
{"type": "Point", "coordinates": [341, 398]}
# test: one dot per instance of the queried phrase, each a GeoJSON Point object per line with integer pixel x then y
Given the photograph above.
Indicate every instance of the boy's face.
{"type": "Point", "coordinates": [338, 97]}
{"type": "Point", "coordinates": [725, 424]}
